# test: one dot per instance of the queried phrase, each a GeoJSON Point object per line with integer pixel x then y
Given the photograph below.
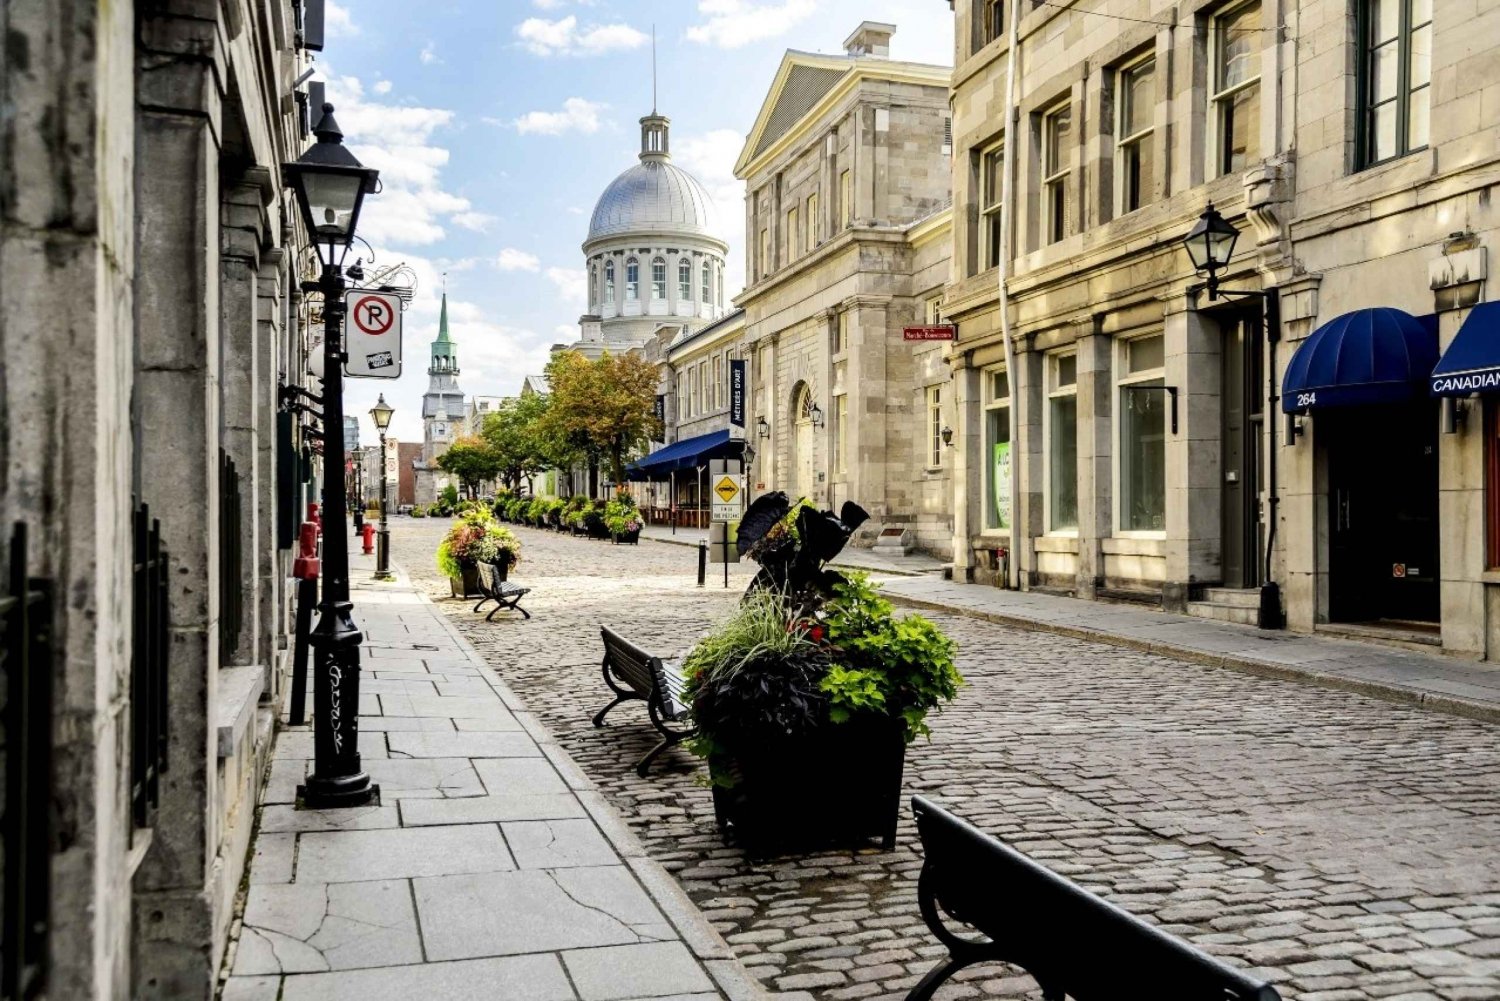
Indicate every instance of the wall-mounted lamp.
{"type": "Point", "coordinates": [762, 427]}
{"type": "Point", "coordinates": [1454, 413]}
{"type": "Point", "coordinates": [816, 413]}
{"type": "Point", "coordinates": [1294, 428]}
{"type": "Point", "coordinates": [947, 434]}
{"type": "Point", "coordinates": [748, 454]}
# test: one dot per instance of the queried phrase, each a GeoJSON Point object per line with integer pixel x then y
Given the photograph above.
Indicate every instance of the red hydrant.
{"type": "Point", "coordinates": [369, 534]}
{"type": "Point", "coordinates": [314, 517]}
{"type": "Point", "coordinates": [306, 565]}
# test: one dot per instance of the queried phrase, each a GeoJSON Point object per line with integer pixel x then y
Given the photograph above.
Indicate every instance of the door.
{"type": "Point", "coordinates": [802, 445]}
{"type": "Point", "coordinates": [1382, 511]}
{"type": "Point", "coordinates": [1242, 419]}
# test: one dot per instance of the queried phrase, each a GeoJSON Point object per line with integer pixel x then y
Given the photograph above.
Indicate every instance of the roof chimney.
{"type": "Point", "coordinates": [871, 38]}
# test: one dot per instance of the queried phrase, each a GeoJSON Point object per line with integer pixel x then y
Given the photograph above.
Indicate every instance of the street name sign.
{"type": "Point", "coordinates": [372, 337]}
{"type": "Point", "coordinates": [940, 332]}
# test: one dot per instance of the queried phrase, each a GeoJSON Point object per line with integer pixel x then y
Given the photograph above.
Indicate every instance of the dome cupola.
{"type": "Point", "coordinates": [653, 196]}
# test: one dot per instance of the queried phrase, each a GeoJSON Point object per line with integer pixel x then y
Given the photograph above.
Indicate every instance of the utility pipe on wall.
{"type": "Point", "coordinates": [1007, 222]}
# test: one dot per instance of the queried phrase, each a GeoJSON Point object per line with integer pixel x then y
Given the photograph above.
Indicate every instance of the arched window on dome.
{"type": "Point", "coordinates": [706, 280]}
{"type": "Point", "coordinates": [684, 280]}
{"type": "Point", "coordinates": [632, 279]}
{"type": "Point", "coordinates": [719, 281]}
{"type": "Point", "coordinates": [593, 285]}
{"type": "Point", "coordinates": [609, 283]}
{"type": "Point", "coordinates": [659, 278]}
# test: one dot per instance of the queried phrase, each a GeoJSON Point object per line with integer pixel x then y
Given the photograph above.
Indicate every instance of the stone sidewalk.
{"type": "Point", "coordinates": [1448, 684]}
{"type": "Point", "coordinates": [492, 868]}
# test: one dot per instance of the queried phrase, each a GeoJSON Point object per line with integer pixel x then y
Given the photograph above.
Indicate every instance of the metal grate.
{"type": "Point", "coordinates": [231, 579]}
{"type": "Point", "coordinates": [149, 656]}
{"type": "Point", "coordinates": [26, 621]}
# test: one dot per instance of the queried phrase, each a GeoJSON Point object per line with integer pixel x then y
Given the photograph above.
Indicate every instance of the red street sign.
{"type": "Point", "coordinates": [373, 314]}
{"type": "Point", "coordinates": [941, 333]}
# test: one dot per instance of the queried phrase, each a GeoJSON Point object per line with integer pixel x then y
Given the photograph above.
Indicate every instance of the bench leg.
{"type": "Point", "coordinates": [645, 763]}
{"type": "Point", "coordinates": [481, 604]}
{"type": "Point", "coordinates": [927, 988]}
{"type": "Point", "coordinates": [599, 716]}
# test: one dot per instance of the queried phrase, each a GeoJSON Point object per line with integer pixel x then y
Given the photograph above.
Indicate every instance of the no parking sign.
{"type": "Point", "coordinates": [372, 335]}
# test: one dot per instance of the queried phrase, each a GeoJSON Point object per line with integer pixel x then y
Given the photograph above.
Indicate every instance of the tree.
{"type": "Point", "coordinates": [605, 409]}
{"type": "Point", "coordinates": [472, 461]}
{"type": "Point", "coordinates": [515, 433]}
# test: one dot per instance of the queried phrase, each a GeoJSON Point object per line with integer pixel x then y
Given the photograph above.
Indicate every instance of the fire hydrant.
{"type": "Point", "coordinates": [306, 565]}
{"type": "Point", "coordinates": [369, 533]}
{"type": "Point", "coordinates": [314, 517]}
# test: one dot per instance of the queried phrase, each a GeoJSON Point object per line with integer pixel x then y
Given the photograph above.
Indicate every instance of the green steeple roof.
{"type": "Point", "coordinates": [444, 351]}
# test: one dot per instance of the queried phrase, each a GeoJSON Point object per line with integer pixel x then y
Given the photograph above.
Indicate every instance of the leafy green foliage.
{"type": "Point", "coordinates": [476, 538]}
{"type": "Point", "coordinates": [852, 691]}
{"type": "Point", "coordinates": [621, 516]}
{"type": "Point", "coordinates": [472, 461]}
{"type": "Point", "coordinates": [602, 410]}
{"type": "Point", "coordinates": [516, 435]}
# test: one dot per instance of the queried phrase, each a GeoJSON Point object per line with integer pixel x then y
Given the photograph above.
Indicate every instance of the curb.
{"type": "Point", "coordinates": [1451, 704]}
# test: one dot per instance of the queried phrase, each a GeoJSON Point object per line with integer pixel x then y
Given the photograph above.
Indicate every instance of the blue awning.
{"type": "Point", "coordinates": [1472, 362]}
{"type": "Point", "coordinates": [1377, 355]}
{"type": "Point", "coordinates": [690, 453]}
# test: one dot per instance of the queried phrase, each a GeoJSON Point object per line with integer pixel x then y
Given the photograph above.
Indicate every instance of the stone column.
{"type": "Point", "coordinates": [1027, 464]}
{"type": "Point", "coordinates": [1095, 482]}
{"type": "Point", "coordinates": [177, 389]}
{"type": "Point", "coordinates": [242, 357]}
{"type": "Point", "coordinates": [868, 426]}
{"type": "Point", "coordinates": [1194, 459]}
{"type": "Point", "coordinates": [268, 570]}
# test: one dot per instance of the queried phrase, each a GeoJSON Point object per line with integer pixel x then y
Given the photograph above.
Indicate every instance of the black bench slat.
{"type": "Point", "coordinates": [632, 673]}
{"type": "Point", "coordinates": [1070, 941]}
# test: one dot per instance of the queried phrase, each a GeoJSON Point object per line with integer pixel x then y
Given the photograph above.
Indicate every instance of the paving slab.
{"type": "Point", "coordinates": [532, 978]}
{"type": "Point", "coordinates": [631, 971]}
{"type": "Point", "coordinates": [345, 856]}
{"type": "Point", "coordinates": [424, 777]}
{"type": "Point", "coordinates": [309, 928]}
{"type": "Point", "coordinates": [484, 744]}
{"type": "Point", "coordinates": [557, 844]}
{"type": "Point", "coordinates": [416, 812]}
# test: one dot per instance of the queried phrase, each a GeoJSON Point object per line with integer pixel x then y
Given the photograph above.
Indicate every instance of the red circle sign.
{"type": "Point", "coordinates": [373, 314]}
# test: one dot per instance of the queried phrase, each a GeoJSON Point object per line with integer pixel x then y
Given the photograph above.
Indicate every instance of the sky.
{"type": "Point", "coordinates": [496, 124]}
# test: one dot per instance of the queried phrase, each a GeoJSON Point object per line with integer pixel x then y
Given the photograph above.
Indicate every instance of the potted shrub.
{"type": "Point", "coordinates": [623, 520]}
{"type": "Point", "coordinates": [475, 538]}
{"type": "Point", "coordinates": [807, 696]}
{"type": "Point", "coordinates": [593, 521]}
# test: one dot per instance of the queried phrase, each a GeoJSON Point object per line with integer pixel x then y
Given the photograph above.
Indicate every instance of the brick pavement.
{"type": "Point", "coordinates": [1344, 846]}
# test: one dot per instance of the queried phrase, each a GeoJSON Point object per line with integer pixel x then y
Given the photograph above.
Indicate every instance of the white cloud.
{"type": "Point", "coordinates": [475, 222]}
{"type": "Point", "coordinates": [382, 87]}
{"type": "Point", "coordinates": [572, 286]}
{"type": "Point", "coordinates": [730, 24]}
{"type": "Point", "coordinates": [428, 55]}
{"type": "Point", "coordinates": [511, 259]}
{"type": "Point", "coordinates": [577, 115]}
{"type": "Point", "coordinates": [710, 158]}
{"type": "Point", "coordinates": [564, 37]}
{"type": "Point", "coordinates": [338, 21]}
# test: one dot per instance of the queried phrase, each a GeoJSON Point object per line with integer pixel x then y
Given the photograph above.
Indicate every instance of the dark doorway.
{"type": "Point", "coordinates": [1382, 511]}
{"type": "Point", "coordinates": [1243, 421]}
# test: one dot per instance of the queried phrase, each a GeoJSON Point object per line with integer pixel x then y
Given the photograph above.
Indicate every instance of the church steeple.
{"type": "Point", "coordinates": [444, 351]}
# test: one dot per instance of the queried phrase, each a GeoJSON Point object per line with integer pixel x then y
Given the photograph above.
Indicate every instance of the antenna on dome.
{"type": "Point", "coordinates": [653, 69]}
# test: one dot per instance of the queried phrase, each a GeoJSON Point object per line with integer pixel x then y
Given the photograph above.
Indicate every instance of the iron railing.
{"type": "Point", "coordinates": [26, 622]}
{"type": "Point", "coordinates": [231, 580]}
{"type": "Point", "coordinates": [149, 655]}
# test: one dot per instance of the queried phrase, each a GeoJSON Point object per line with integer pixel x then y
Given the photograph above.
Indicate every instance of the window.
{"type": "Point", "coordinates": [1057, 133]}
{"type": "Point", "coordinates": [659, 278]}
{"type": "Point", "coordinates": [705, 391]}
{"type": "Point", "coordinates": [706, 280]}
{"type": "Point", "coordinates": [687, 400]}
{"type": "Point", "coordinates": [718, 388]}
{"type": "Point", "coordinates": [609, 282]}
{"type": "Point", "coordinates": [1492, 480]}
{"type": "Point", "coordinates": [765, 252]}
{"type": "Point", "coordinates": [1235, 106]}
{"type": "Point", "coordinates": [932, 311]}
{"type": "Point", "coordinates": [992, 180]}
{"type": "Point", "coordinates": [841, 333]}
{"type": "Point", "coordinates": [682, 395]}
{"type": "Point", "coordinates": [1142, 489]}
{"type": "Point", "coordinates": [840, 433]}
{"type": "Point", "coordinates": [1395, 74]}
{"type": "Point", "coordinates": [593, 283]}
{"type": "Point", "coordinates": [935, 425]}
{"type": "Point", "coordinates": [994, 21]}
{"type": "Point", "coordinates": [632, 280]}
{"type": "Point", "coordinates": [684, 280]}
{"type": "Point", "coordinates": [846, 199]}
{"type": "Point", "coordinates": [1135, 162]}
{"type": "Point", "coordinates": [719, 283]}
{"type": "Point", "coordinates": [810, 209]}
{"type": "Point", "coordinates": [947, 147]}
{"type": "Point", "coordinates": [996, 462]}
{"type": "Point", "coordinates": [793, 235]}
{"type": "Point", "coordinates": [1061, 431]}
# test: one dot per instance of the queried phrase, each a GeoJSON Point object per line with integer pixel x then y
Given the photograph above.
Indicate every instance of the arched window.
{"type": "Point", "coordinates": [659, 278]}
{"type": "Point", "coordinates": [719, 278]}
{"type": "Point", "coordinates": [609, 282]}
{"type": "Point", "coordinates": [632, 279]}
{"type": "Point", "coordinates": [684, 279]}
{"type": "Point", "coordinates": [707, 281]}
{"type": "Point", "coordinates": [593, 284]}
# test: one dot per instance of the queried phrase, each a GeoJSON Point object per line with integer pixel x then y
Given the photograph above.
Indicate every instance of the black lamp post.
{"type": "Point", "coordinates": [381, 413]}
{"type": "Point", "coordinates": [330, 185]}
{"type": "Point", "coordinates": [1210, 245]}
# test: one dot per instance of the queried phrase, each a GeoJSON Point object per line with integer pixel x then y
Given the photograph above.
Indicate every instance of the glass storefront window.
{"type": "Point", "coordinates": [997, 457]}
{"type": "Point", "coordinates": [1062, 443]}
{"type": "Point", "coordinates": [1142, 487]}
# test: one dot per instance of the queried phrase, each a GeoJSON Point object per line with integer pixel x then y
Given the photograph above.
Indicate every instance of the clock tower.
{"type": "Point", "coordinates": [442, 405]}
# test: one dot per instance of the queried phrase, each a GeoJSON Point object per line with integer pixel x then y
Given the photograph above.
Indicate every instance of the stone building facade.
{"type": "Point", "coordinates": [1133, 445]}
{"type": "Point", "coordinates": [153, 285]}
{"type": "Point", "coordinates": [847, 179]}
{"type": "Point", "coordinates": [443, 413]}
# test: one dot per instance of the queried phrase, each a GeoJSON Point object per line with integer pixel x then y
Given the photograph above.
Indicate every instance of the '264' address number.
{"type": "Point", "coordinates": [1307, 399]}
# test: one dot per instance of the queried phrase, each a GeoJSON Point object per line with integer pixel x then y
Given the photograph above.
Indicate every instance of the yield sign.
{"type": "Point", "coordinates": [727, 488]}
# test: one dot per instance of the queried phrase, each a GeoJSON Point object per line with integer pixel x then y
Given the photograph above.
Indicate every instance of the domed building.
{"type": "Point", "coordinates": [653, 255]}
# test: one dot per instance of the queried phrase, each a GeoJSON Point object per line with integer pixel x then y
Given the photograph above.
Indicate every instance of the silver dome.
{"type": "Point", "coordinates": [654, 196]}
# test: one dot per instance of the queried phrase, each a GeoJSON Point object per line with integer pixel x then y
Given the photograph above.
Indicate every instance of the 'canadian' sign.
{"type": "Point", "coordinates": [942, 332]}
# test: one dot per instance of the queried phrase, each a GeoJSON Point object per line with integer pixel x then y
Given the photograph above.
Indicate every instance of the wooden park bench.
{"type": "Point", "coordinates": [1072, 943]}
{"type": "Point", "coordinates": [632, 673]}
{"type": "Point", "coordinates": [505, 595]}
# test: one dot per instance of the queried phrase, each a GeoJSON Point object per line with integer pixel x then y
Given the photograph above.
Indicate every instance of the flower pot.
{"type": "Point", "coordinates": [628, 538]}
{"type": "Point", "coordinates": [596, 528]}
{"type": "Point", "coordinates": [503, 565]}
{"type": "Point", "coordinates": [839, 786]}
{"type": "Point", "coordinates": [469, 581]}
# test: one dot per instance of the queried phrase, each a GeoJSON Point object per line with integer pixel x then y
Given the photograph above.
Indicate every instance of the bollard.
{"type": "Point", "coordinates": [702, 562]}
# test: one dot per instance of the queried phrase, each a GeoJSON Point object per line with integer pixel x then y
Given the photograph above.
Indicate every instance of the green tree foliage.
{"type": "Point", "coordinates": [516, 434]}
{"type": "Point", "coordinates": [472, 461]}
{"type": "Point", "coordinates": [604, 410]}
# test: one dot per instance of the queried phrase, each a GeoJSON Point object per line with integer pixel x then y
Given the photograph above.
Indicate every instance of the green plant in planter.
{"type": "Point", "coordinates": [476, 538]}
{"type": "Point", "coordinates": [621, 516]}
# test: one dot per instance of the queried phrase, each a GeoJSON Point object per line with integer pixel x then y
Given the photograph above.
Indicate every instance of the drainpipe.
{"type": "Point", "coordinates": [1007, 223]}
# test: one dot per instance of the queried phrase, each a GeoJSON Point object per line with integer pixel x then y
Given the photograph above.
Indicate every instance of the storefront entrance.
{"type": "Point", "coordinates": [1242, 424]}
{"type": "Point", "coordinates": [1382, 511]}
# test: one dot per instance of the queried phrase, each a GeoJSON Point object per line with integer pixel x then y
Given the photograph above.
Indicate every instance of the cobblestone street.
{"type": "Point", "coordinates": [1345, 847]}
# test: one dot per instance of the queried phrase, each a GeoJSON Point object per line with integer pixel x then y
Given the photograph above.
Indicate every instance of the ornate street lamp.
{"type": "Point", "coordinates": [947, 434]}
{"type": "Point", "coordinates": [381, 413]}
{"type": "Point", "coordinates": [330, 185]}
{"type": "Point", "coordinates": [762, 427]}
{"type": "Point", "coordinates": [816, 413]}
{"type": "Point", "coordinates": [1210, 245]}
